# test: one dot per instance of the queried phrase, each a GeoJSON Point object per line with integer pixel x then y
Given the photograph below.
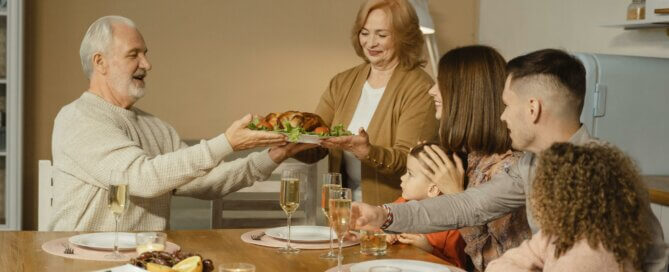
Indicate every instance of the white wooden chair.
{"type": "Point", "coordinates": [258, 205]}
{"type": "Point", "coordinates": [45, 196]}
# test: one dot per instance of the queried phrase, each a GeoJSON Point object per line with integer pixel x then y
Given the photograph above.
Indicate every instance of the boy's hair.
{"type": "Point", "coordinates": [420, 148]}
{"type": "Point", "coordinates": [592, 192]}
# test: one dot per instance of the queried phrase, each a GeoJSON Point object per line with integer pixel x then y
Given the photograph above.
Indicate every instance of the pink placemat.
{"type": "Point", "coordinates": [271, 242]}
{"type": "Point", "coordinates": [57, 246]}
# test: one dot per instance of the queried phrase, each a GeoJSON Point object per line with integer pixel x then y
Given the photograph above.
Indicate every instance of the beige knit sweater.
{"type": "Point", "coordinates": [92, 137]}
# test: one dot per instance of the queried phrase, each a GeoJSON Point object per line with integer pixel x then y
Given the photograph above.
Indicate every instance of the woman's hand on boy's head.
{"type": "Point", "coordinates": [449, 176]}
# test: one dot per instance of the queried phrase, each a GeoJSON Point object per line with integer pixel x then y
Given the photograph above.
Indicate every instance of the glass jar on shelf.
{"type": "Point", "coordinates": [636, 10]}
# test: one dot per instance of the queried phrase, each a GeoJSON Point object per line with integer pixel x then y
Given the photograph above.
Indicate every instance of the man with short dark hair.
{"type": "Point", "coordinates": [544, 95]}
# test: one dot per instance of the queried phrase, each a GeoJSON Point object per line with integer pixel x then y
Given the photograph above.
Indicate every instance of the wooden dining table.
{"type": "Point", "coordinates": [22, 251]}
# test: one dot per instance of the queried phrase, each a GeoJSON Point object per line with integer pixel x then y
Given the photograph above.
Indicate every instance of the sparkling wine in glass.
{"type": "Point", "coordinates": [330, 181]}
{"type": "Point", "coordinates": [117, 201]}
{"type": "Point", "coordinates": [289, 199]}
{"type": "Point", "coordinates": [340, 216]}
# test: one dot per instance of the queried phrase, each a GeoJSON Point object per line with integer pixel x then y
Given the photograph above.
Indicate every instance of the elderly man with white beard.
{"type": "Point", "coordinates": [101, 132]}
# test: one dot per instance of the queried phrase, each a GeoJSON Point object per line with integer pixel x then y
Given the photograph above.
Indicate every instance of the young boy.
{"type": "Point", "coordinates": [447, 245]}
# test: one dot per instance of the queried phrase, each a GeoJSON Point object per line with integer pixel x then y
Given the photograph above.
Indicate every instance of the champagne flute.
{"type": "Point", "coordinates": [330, 181]}
{"type": "Point", "coordinates": [289, 199]}
{"type": "Point", "coordinates": [117, 201]}
{"type": "Point", "coordinates": [340, 216]}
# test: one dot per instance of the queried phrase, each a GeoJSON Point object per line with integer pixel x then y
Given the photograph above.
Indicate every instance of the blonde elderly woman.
{"type": "Point", "coordinates": [384, 101]}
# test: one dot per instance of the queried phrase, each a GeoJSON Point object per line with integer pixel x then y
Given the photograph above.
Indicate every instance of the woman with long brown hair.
{"type": "Point", "coordinates": [468, 98]}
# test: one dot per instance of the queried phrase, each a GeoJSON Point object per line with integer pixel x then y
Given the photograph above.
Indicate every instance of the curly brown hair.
{"type": "Point", "coordinates": [591, 192]}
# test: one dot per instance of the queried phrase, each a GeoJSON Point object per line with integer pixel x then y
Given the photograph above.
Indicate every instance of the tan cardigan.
{"type": "Point", "coordinates": [404, 116]}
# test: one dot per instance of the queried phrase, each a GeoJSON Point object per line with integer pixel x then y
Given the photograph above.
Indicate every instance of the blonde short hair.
{"type": "Point", "coordinates": [407, 38]}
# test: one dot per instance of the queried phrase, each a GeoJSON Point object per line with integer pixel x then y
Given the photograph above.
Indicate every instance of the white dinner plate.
{"type": "Point", "coordinates": [405, 265]}
{"type": "Point", "coordinates": [122, 268]}
{"type": "Point", "coordinates": [104, 240]}
{"type": "Point", "coordinates": [302, 233]}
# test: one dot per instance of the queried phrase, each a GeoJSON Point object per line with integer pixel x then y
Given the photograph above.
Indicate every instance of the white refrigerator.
{"type": "Point", "coordinates": [627, 104]}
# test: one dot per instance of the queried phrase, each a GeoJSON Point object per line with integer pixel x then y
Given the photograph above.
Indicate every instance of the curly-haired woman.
{"type": "Point", "coordinates": [589, 201]}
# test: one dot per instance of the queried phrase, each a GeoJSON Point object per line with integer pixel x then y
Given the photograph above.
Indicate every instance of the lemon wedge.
{"type": "Point", "coordinates": [152, 267]}
{"type": "Point", "coordinates": [190, 264]}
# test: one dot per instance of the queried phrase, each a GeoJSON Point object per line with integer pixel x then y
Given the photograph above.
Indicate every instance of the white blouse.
{"type": "Point", "coordinates": [369, 100]}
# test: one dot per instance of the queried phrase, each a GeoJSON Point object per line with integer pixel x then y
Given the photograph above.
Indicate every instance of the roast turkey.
{"type": "Point", "coordinates": [306, 120]}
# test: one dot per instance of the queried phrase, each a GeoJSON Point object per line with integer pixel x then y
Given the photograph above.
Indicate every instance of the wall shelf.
{"type": "Point", "coordinates": [658, 187]}
{"type": "Point", "coordinates": [639, 24]}
{"type": "Point", "coordinates": [656, 15]}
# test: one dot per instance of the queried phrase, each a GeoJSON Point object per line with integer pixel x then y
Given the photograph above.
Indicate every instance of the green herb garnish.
{"type": "Point", "coordinates": [293, 132]}
{"type": "Point", "coordinates": [339, 130]}
{"type": "Point", "coordinates": [253, 125]}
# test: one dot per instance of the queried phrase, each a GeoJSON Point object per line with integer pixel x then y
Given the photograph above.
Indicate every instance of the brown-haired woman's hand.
{"type": "Point", "coordinates": [438, 167]}
{"type": "Point", "coordinates": [357, 144]}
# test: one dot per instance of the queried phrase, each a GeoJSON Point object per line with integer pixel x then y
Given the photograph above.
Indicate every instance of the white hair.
{"type": "Point", "coordinates": [98, 38]}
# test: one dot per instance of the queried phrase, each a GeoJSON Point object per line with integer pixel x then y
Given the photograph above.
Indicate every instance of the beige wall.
{"type": "Point", "coordinates": [519, 26]}
{"type": "Point", "coordinates": [456, 22]}
{"type": "Point", "coordinates": [213, 61]}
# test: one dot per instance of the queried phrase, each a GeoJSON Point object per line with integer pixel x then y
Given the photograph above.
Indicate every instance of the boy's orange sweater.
{"type": "Point", "coordinates": [447, 245]}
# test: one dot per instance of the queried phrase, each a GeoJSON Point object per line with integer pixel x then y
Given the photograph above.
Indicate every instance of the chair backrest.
{"type": "Point", "coordinates": [45, 196]}
{"type": "Point", "coordinates": [258, 205]}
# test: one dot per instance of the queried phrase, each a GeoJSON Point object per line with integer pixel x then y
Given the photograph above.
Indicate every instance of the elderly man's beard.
{"type": "Point", "coordinates": [127, 86]}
